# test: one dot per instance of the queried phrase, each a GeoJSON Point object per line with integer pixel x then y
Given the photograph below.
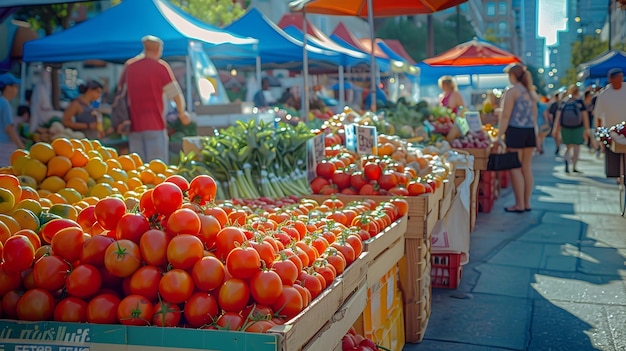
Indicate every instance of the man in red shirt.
{"type": "Point", "coordinates": [148, 79]}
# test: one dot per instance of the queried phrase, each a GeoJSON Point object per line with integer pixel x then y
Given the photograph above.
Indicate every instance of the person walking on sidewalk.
{"type": "Point", "coordinates": [148, 78]}
{"type": "Point", "coordinates": [610, 110]}
{"type": "Point", "coordinates": [518, 124]}
{"type": "Point", "coordinates": [554, 106]}
{"type": "Point", "coordinates": [572, 122]}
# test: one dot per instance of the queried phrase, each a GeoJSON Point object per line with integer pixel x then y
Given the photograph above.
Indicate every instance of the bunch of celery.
{"type": "Point", "coordinates": [251, 160]}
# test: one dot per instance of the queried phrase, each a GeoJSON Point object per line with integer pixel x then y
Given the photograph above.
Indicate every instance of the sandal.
{"type": "Point", "coordinates": [513, 210]}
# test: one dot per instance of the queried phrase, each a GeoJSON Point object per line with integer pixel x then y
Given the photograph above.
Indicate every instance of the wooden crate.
{"type": "Point", "coordinates": [414, 272]}
{"type": "Point", "coordinates": [340, 321]}
{"type": "Point", "coordinates": [296, 332]}
{"type": "Point", "coordinates": [619, 148]}
{"type": "Point", "coordinates": [481, 157]}
{"type": "Point", "coordinates": [379, 266]}
{"type": "Point", "coordinates": [381, 242]}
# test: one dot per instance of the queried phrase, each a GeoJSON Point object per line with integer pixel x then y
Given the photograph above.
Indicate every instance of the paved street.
{"type": "Point", "coordinates": [550, 279]}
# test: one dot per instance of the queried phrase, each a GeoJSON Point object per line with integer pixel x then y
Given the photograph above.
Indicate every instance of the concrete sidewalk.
{"type": "Point", "coordinates": [550, 279]}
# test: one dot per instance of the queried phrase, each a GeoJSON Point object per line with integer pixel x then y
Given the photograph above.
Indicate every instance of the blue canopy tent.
{"type": "Point", "coordinates": [115, 35]}
{"type": "Point", "coordinates": [430, 74]}
{"type": "Point", "coordinates": [596, 70]}
{"type": "Point", "coordinates": [276, 48]}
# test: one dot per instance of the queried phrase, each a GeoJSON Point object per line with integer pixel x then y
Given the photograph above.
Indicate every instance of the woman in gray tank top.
{"type": "Point", "coordinates": [80, 115]}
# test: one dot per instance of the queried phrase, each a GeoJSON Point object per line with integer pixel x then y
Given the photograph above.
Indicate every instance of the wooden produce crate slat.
{"type": "Point", "coordinates": [340, 322]}
{"type": "Point", "coordinates": [296, 332]}
{"type": "Point", "coordinates": [416, 287]}
{"type": "Point", "coordinates": [378, 267]}
{"type": "Point", "coordinates": [381, 242]}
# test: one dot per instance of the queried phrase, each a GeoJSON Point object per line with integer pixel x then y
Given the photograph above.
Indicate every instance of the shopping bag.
{"type": "Point", "coordinates": [452, 233]}
{"type": "Point", "coordinates": [503, 161]}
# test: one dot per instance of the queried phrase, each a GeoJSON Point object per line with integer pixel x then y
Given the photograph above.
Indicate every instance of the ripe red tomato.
{"type": "Point", "coordinates": [311, 283]}
{"type": "Point", "coordinates": [399, 191]}
{"type": "Point", "coordinates": [83, 281]}
{"type": "Point", "coordinates": [356, 243]}
{"type": "Point", "coordinates": [243, 262]}
{"type": "Point", "coordinates": [266, 251]}
{"type": "Point", "coordinates": [35, 305]}
{"type": "Point", "coordinates": [227, 239]}
{"type": "Point", "coordinates": [416, 188]}
{"type": "Point", "coordinates": [201, 309]}
{"type": "Point", "coordinates": [166, 314]}
{"type": "Point", "coordinates": [325, 169]}
{"type": "Point", "coordinates": [257, 312]}
{"type": "Point", "coordinates": [347, 251]}
{"type": "Point", "coordinates": [167, 198]}
{"type": "Point", "coordinates": [93, 250]}
{"type": "Point", "coordinates": [102, 309]}
{"type": "Point", "coordinates": [184, 250]}
{"type": "Point", "coordinates": [87, 217]}
{"type": "Point", "coordinates": [358, 180]}
{"type": "Point", "coordinates": [202, 189]}
{"type": "Point", "coordinates": [18, 253]}
{"type": "Point", "coordinates": [233, 295]}
{"type": "Point", "coordinates": [261, 326]}
{"type": "Point", "coordinates": [341, 178]}
{"type": "Point", "coordinates": [286, 270]}
{"type": "Point", "coordinates": [153, 247]}
{"type": "Point", "coordinates": [50, 272]}
{"type": "Point", "coordinates": [183, 221]}
{"type": "Point", "coordinates": [230, 321]}
{"type": "Point", "coordinates": [266, 287]}
{"type": "Point", "coordinates": [145, 282]}
{"type": "Point", "coordinates": [336, 259]}
{"type": "Point", "coordinates": [28, 279]}
{"type": "Point", "coordinates": [372, 171]}
{"type": "Point", "coordinates": [318, 183]}
{"type": "Point", "coordinates": [180, 181]}
{"type": "Point", "coordinates": [48, 230]}
{"type": "Point", "coordinates": [305, 293]}
{"type": "Point", "coordinates": [135, 310]}
{"type": "Point", "coordinates": [218, 212]}
{"type": "Point", "coordinates": [289, 304]}
{"type": "Point", "coordinates": [68, 243]}
{"type": "Point", "coordinates": [71, 309]}
{"type": "Point", "coordinates": [326, 270]}
{"type": "Point", "coordinates": [122, 258]}
{"type": "Point", "coordinates": [208, 273]}
{"type": "Point", "coordinates": [108, 212]}
{"type": "Point", "coordinates": [132, 226]}
{"type": "Point", "coordinates": [9, 303]}
{"type": "Point", "coordinates": [146, 206]}
{"type": "Point", "coordinates": [176, 286]}
{"type": "Point", "coordinates": [387, 180]}
{"type": "Point", "coordinates": [209, 227]}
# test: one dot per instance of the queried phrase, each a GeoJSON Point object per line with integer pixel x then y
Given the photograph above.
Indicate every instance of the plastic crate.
{"type": "Point", "coordinates": [485, 204]}
{"type": "Point", "coordinates": [391, 334]}
{"type": "Point", "coordinates": [487, 189]}
{"type": "Point", "coordinates": [446, 270]}
{"type": "Point", "coordinates": [380, 302]}
{"type": "Point", "coordinates": [488, 176]}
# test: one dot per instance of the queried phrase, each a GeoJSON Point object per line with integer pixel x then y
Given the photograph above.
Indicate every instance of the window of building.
{"type": "Point", "coordinates": [491, 8]}
{"type": "Point", "coordinates": [502, 8]}
{"type": "Point", "coordinates": [502, 28]}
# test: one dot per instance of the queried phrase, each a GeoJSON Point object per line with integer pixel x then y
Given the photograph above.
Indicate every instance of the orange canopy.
{"type": "Point", "coordinates": [381, 8]}
{"type": "Point", "coordinates": [473, 53]}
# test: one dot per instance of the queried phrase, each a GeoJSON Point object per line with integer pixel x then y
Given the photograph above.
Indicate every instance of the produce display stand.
{"type": "Point", "coordinates": [481, 157]}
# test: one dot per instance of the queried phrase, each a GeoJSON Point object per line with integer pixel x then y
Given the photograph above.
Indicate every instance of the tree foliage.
{"type": "Point", "coordinates": [414, 34]}
{"type": "Point", "coordinates": [216, 12]}
{"type": "Point", "coordinates": [587, 49]}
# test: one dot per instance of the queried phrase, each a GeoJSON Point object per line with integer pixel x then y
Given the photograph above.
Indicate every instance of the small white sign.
{"type": "Point", "coordinates": [367, 140]}
{"type": "Point", "coordinates": [315, 154]}
{"type": "Point", "coordinates": [473, 120]}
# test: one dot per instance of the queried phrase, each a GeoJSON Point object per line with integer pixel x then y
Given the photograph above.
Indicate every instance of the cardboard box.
{"type": "Point", "coordinates": [192, 144]}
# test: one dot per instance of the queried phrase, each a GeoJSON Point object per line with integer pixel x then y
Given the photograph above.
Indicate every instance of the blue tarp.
{"type": "Point", "coordinates": [276, 48]}
{"type": "Point", "coordinates": [430, 74]}
{"type": "Point", "coordinates": [599, 67]}
{"type": "Point", "coordinates": [115, 35]}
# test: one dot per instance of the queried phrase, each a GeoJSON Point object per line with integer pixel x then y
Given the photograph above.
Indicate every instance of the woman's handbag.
{"type": "Point", "coordinates": [503, 161]}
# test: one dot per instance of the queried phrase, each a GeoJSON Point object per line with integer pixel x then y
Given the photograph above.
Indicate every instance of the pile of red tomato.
{"type": "Point", "coordinates": [371, 175]}
{"type": "Point", "coordinates": [354, 341]}
{"type": "Point", "coordinates": [178, 259]}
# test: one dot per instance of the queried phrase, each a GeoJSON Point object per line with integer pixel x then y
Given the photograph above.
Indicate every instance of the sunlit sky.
{"type": "Point", "coordinates": [552, 17]}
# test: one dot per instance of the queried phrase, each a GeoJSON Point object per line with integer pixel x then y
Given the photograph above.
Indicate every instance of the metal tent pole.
{"type": "Point", "coordinates": [370, 18]}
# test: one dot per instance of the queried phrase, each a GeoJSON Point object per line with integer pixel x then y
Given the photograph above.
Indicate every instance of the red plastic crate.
{"type": "Point", "coordinates": [485, 204]}
{"type": "Point", "coordinates": [446, 270]}
{"type": "Point", "coordinates": [488, 176]}
{"type": "Point", "coordinates": [505, 179]}
{"type": "Point", "coordinates": [487, 189]}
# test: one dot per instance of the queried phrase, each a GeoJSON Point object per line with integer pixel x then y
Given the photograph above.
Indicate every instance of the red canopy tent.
{"type": "Point", "coordinates": [343, 33]}
{"type": "Point", "coordinates": [472, 53]}
{"type": "Point", "coordinates": [397, 47]}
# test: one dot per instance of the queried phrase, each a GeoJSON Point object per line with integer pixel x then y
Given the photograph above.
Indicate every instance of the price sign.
{"type": "Point", "coordinates": [473, 120]}
{"type": "Point", "coordinates": [367, 140]}
{"type": "Point", "coordinates": [314, 154]}
{"type": "Point", "coordinates": [463, 125]}
{"type": "Point", "coordinates": [350, 135]}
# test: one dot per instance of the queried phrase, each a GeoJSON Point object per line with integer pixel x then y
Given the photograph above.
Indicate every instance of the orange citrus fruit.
{"type": "Point", "coordinates": [157, 166]}
{"type": "Point", "coordinates": [17, 153]}
{"type": "Point", "coordinates": [79, 158]}
{"type": "Point", "coordinates": [133, 183]}
{"type": "Point", "coordinates": [147, 176]}
{"type": "Point", "coordinates": [62, 147]}
{"type": "Point", "coordinates": [52, 184]}
{"type": "Point", "coordinates": [96, 168]}
{"type": "Point", "coordinates": [126, 162]}
{"type": "Point", "coordinates": [35, 169]}
{"type": "Point", "coordinates": [78, 185]}
{"type": "Point", "coordinates": [56, 199]}
{"type": "Point", "coordinates": [26, 219]}
{"type": "Point", "coordinates": [45, 202]}
{"type": "Point", "coordinates": [10, 222]}
{"type": "Point", "coordinates": [113, 163]}
{"type": "Point", "coordinates": [58, 166]}
{"type": "Point", "coordinates": [135, 156]}
{"type": "Point", "coordinates": [77, 172]}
